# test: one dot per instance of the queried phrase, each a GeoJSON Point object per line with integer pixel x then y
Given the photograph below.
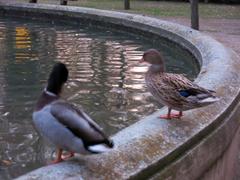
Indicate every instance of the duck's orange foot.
{"type": "Point", "coordinates": [61, 158]}
{"type": "Point", "coordinates": [55, 161]}
{"type": "Point", "coordinates": [67, 156]}
{"type": "Point", "coordinates": [170, 116]}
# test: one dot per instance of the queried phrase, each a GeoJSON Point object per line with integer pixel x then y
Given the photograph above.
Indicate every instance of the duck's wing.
{"type": "Point", "coordinates": [177, 81]}
{"type": "Point", "coordinates": [81, 125]}
{"type": "Point", "coordinates": [186, 88]}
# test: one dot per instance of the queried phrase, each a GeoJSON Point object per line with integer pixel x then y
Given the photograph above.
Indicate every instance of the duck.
{"type": "Point", "coordinates": [175, 91]}
{"type": "Point", "coordinates": [64, 124]}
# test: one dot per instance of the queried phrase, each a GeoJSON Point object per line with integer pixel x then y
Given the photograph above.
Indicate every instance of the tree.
{"type": "Point", "coordinates": [63, 2]}
{"type": "Point", "coordinates": [126, 4]}
{"type": "Point", "coordinates": [194, 14]}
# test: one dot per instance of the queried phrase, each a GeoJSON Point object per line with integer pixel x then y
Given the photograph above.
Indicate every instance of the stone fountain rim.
{"type": "Point", "coordinates": [219, 70]}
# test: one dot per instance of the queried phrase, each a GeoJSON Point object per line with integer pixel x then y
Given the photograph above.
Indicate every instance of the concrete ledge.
{"type": "Point", "coordinates": [154, 148]}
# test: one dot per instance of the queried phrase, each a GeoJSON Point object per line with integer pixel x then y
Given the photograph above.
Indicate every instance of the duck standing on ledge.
{"type": "Point", "coordinates": [65, 125]}
{"type": "Point", "coordinates": [173, 90]}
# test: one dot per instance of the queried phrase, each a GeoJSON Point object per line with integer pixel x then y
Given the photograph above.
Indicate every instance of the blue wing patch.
{"type": "Point", "coordinates": [184, 93]}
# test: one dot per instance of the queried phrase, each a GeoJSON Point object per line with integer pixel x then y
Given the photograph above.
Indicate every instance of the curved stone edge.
{"type": "Point", "coordinates": [153, 147]}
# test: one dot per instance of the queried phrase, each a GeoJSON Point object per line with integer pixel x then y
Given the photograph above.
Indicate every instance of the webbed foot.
{"type": "Point", "coordinates": [172, 115]}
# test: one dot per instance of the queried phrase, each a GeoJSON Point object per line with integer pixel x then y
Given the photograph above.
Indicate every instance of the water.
{"type": "Point", "coordinates": [105, 79]}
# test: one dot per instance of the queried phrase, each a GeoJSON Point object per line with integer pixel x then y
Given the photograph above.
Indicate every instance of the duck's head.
{"type": "Point", "coordinates": [153, 57]}
{"type": "Point", "coordinates": [57, 78]}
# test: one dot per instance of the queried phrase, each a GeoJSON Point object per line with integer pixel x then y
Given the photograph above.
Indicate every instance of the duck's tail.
{"type": "Point", "coordinates": [99, 148]}
{"type": "Point", "coordinates": [107, 145]}
{"type": "Point", "coordinates": [202, 99]}
{"type": "Point", "coordinates": [209, 100]}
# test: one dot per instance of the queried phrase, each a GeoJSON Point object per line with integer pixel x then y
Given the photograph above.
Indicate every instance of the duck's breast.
{"type": "Point", "coordinates": [57, 133]}
{"type": "Point", "coordinates": [156, 87]}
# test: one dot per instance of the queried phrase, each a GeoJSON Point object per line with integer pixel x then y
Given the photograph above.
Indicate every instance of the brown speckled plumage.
{"type": "Point", "coordinates": [174, 90]}
{"type": "Point", "coordinates": [165, 88]}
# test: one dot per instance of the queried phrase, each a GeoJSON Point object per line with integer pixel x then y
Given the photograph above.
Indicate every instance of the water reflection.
{"type": "Point", "coordinates": [105, 78]}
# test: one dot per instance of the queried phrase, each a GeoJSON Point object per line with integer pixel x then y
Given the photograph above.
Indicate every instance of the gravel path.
{"type": "Point", "coordinates": [226, 31]}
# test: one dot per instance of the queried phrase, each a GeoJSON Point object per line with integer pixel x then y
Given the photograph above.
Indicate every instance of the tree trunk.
{"type": "Point", "coordinates": [194, 14]}
{"type": "Point", "coordinates": [126, 4]}
{"type": "Point", "coordinates": [33, 1]}
{"type": "Point", "coordinates": [63, 2]}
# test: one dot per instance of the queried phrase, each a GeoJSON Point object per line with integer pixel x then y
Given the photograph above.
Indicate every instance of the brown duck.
{"type": "Point", "coordinates": [173, 90]}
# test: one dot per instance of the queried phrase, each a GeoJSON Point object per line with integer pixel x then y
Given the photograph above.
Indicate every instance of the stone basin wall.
{"type": "Point", "coordinates": [204, 144]}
